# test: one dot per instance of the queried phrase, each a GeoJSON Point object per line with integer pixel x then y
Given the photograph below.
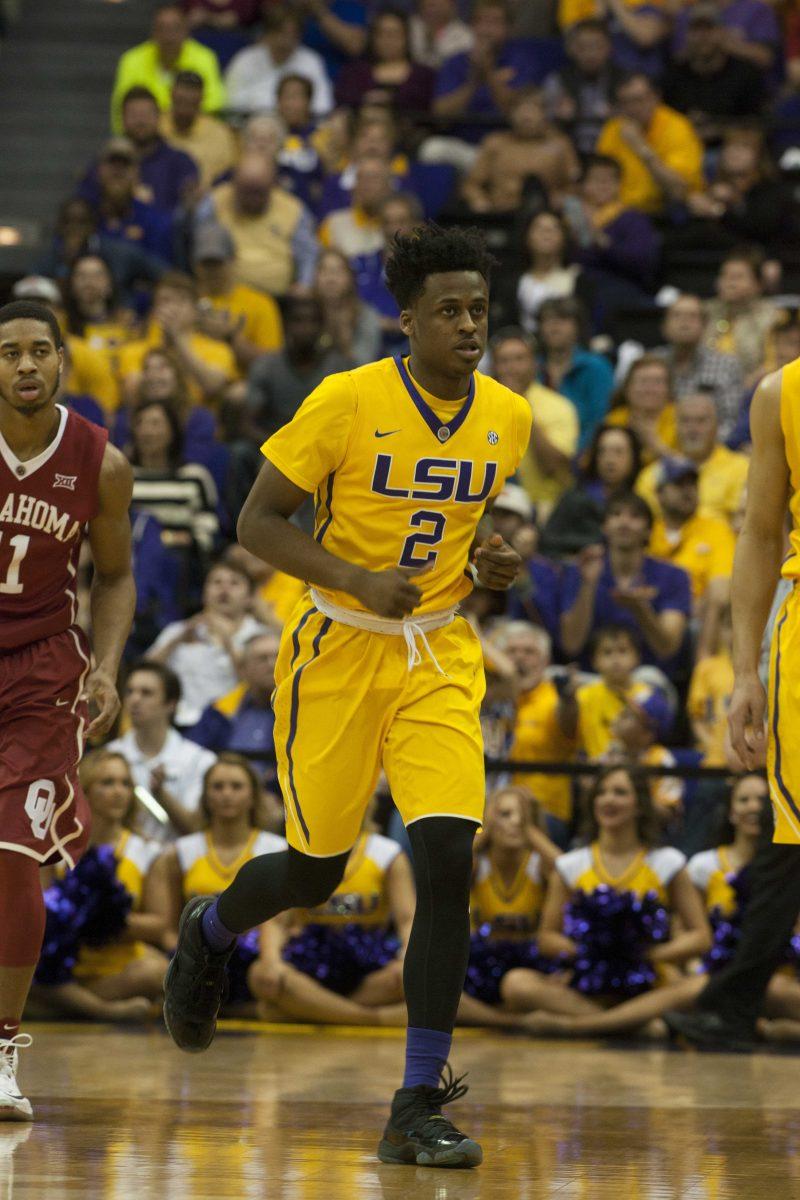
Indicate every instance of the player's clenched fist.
{"type": "Point", "coordinates": [390, 593]}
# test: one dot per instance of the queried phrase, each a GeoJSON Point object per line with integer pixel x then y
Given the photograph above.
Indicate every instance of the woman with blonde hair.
{"type": "Point", "coordinates": [120, 978]}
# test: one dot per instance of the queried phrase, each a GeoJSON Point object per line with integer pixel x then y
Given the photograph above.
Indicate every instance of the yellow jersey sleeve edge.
{"type": "Point", "coordinates": [289, 471]}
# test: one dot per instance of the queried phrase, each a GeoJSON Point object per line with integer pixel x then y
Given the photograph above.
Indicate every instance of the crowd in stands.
{"type": "Point", "coordinates": [632, 163]}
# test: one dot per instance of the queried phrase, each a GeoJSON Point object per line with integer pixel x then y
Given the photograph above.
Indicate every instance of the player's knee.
{"type": "Point", "coordinates": [444, 846]}
{"type": "Point", "coordinates": [313, 880]}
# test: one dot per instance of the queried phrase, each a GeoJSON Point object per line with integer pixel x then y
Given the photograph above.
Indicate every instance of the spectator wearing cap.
{"type": "Point", "coordinates": [273, 233]}
{"type": "Point", "coordinates": [119, 211]}
{"type": "Point", "coordinates": [208, 363]}
{"type": "Point", "coordinates": [722, 473]}
{"type": "Point", "coordinates": [660, 154]}
{"type": "Point", "coordinates": [242, 720]}
{"type": "Point", "coordinates": [253, 75]}
{"type": "Point", "coordinates": [546, 469]}
{"type": "Point", "coordinates": [167, 176]}
{"type": "Point", "coordinates": [702, 544]}
{"type": "Point", "coordinates": [694, 366]}
{"type": "Point", "coordinates": [708, 83]}
{"type": "Point", "coordinates": [208, 141]}
{"type": "Point", "coordinates": [155, 63]}
{"type": "Point", "coordinates": [537, 734]}
{"type": "Point", "coordinates": [247, 320]}
{"type": "Point", "coordinates": [437, 33]}
{"type": "Point", "coordinates": [620, 583]}
{"type": "Point", "coordinates": [637, 736]}
{"type": "Point", "coordinates": [586, 379]}
{"type": "Point", "coordinates": [87, 371]}
{"type": "Point", "coordinates": [356, 230]}
{"type": "Point", "coordinates": [580, 95]}
{"type": "Point", "coordinates": [739, 318]}
{"type": "Point", "coordinates": [752, 33]}
{"type": "Point", "coordinates": [536, 595]}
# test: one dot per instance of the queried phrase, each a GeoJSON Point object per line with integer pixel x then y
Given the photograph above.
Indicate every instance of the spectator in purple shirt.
{"type": "Point", "coordinates": [166, 175]}
{"type": "Point", "coordinates": [387, 74]}
{"type": "Point", "coordinates": [752, 32]}
{"type": "Point", "coordinates": [481, 81]}
{"type": "Point", "coordinates": [119, 212]}
{"type": "Point", "coordinates": [620, 584]}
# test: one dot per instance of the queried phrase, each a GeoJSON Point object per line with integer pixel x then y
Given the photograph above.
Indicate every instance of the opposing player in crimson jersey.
{"type": "Point", "coordinates": [59, 478]}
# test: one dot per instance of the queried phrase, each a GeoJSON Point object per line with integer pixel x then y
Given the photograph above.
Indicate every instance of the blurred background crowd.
{"type": "Point", "coordinates": [634, 165]}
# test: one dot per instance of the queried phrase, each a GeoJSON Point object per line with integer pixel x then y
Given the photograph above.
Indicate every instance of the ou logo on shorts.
{"type": "Point", "coordinates": [40, 805]}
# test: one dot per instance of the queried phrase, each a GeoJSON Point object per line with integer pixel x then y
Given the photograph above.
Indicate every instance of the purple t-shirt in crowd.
{"type": "Point", "coordinates": [673, 591]}
{"type": "Point", "coordinates": [755, 20]}
{"type": "Point", "coordinates": [527, 64]}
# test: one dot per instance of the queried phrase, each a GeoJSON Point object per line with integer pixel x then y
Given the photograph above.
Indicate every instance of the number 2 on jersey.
{"type": "Point", "coordinates": [426, 537]}
{"type": "Point", "coordinates": [11, 585]}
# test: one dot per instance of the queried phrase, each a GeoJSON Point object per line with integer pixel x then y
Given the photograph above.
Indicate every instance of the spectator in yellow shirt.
{"type": "Point", "coordinates": [537, 734]}
{"type": "Point", "coordinates": [208, 364]}
{"type": "Point", "coordinates": [710, 695]}
{"type": "Point", "coordinates": [249, 321]}
{"type": "Point", "coordinates": [660, 154]}
{"type": "Point", "coordinates": [700, 543]}
{"type": "Point", "coordinates": [722, 473]}
{"type": "Point", "coordinates": [209, 141]}
{"type": "Point", "coordinates": [588, 712]}
{"type": "Point", "coordinates": [154, 64]}
{"type": "Point", "coordinates": [546, 469]}
{"type": "Point", "coordinates": [646, 405]}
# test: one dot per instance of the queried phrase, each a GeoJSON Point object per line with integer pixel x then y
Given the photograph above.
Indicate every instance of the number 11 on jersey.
{"type": "Point", "coordinates": [12, 586]}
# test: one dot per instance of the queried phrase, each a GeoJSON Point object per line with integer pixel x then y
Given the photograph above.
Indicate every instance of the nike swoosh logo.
{"type": "Point", "coordinates": [59, 703]}
{"type": "Point", "coordinates": [388, 433]}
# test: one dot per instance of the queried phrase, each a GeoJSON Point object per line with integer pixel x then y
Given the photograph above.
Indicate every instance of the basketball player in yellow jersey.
{"type": "Point", "coordinates": [376, 669]}
{"type": "Point", "coordinates": [764, 724]}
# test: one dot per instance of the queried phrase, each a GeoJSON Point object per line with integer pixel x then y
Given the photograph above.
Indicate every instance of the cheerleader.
{"type": "Point", "coordinates": [619, 883]}
{"type": "Point", "coordinates": [720, 877]}
{"type": "Point", "coordinates": [339, 963]}
{"type": "Point", "coordinates": [512, 862]}
{"type": "Point", "coordinates": [206, 862]}
{"type": "Point", "coordinates": [120, 980]}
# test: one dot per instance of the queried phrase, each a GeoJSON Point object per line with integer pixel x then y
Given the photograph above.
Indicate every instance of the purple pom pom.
{"type": "Point", "coordinates": [612, 931]}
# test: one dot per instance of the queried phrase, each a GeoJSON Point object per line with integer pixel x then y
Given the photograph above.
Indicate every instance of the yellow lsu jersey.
{"type": "Point", "coordinates": [203, 871]}
{"type": "Point", "coordinates": [134, 858]}
{"type": "Point", "coordinates": [650, 871]}
{"type": "Point", "coordinates": [362, 896]}
{"type": "Point", "coordinates": [509, 911]}
{"type": "Point", "coordinates": [710, 871]}
{"type": "Point", "coordinates": [400, 477]}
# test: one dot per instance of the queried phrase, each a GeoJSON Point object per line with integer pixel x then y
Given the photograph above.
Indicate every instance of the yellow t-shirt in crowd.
{"type": "Point", "coordinates": [708, 702]}
{"type": "Point", "coordinates": [281, 593]}
{"type": "Point", "coordinates": [537, 735]}
{"type": "Point", "coordinates": [262, 317]}
{"type": "Point", "coordinates": [557, 419]}
{"type": "Point", "coordinates": [703, 546]}
{"type": "Point", "coordinates": [666, 427]}
{"type": "Point", "coordinates": [213, 353]}
{"type": "Point", "coordinates": [672, 137]}
{"type": "Point", "coordinates": [400, 476]}
{"type": "Point", "coordinates": [90, 373]}
{"type": "Point", "coordinates": [722, 481]}
{"type": "Point", "coordinates": [598, 708]}
{"type": "Point", "coordinates": [570, 12]}
{"type": "Point", "coordinates": [210, 142]}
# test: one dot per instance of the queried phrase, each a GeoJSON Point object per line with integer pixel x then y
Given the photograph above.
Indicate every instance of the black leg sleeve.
{"type": "Point", "coordinates": [736, 993]}
{"type": "Point", "coordinates": [271, 883]}
{"type": "Point", "coordinates": [438, 949]}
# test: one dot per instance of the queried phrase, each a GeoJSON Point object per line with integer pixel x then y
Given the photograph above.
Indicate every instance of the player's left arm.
{"type": "Point", "coordinates": [113, 595]}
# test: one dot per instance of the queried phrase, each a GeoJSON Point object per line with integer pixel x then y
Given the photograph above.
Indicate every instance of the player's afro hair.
{"type": "Point", "coordinates": [431, 250]}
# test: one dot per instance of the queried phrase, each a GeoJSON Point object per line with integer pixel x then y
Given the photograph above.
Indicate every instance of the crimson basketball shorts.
{"type": "Point", "coordinates": [43, 811]}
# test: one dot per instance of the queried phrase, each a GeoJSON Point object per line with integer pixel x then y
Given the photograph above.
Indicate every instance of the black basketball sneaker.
{"type": "Point", "coordinates": [416, 1131]}
{"type": "Point", "coordinates": [196, 982]}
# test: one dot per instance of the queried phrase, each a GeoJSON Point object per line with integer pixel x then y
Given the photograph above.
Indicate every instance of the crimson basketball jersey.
{"type": "Point", "coordinates": [45, 504]}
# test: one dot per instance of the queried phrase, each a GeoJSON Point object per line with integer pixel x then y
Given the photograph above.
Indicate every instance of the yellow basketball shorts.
{"type": "Point", "coordinates": [347, 705]}
{"type": "Point", "coordinates": [783, 758]}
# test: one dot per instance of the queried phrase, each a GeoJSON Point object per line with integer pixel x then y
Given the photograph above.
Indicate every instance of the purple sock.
{"type": "Point", "coordinates": [427, 1051]}
{"type": "Point", "coordinates": [216, 935]}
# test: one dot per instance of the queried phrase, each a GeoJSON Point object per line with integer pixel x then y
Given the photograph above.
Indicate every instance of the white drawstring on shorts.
{"type": "Point", "coordinates": [409, 628]}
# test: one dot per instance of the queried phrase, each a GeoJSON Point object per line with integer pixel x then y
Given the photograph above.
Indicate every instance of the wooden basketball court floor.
{"type": "Point", "coordinates": [279, 1113]}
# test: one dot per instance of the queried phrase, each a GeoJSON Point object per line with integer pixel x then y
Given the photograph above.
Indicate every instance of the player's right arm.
{"type": "Point", "coordinates": [265, 530]}
{"type": "Point", "coordinates": [756, 569]}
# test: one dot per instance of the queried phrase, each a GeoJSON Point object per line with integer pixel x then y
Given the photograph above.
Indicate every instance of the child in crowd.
{"type": "Point", "coordinates": [589, 711]}
{"type": "Point", "coordinates": [710, 695]}
{"type": "Point", "coordinates": [636, 736]}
